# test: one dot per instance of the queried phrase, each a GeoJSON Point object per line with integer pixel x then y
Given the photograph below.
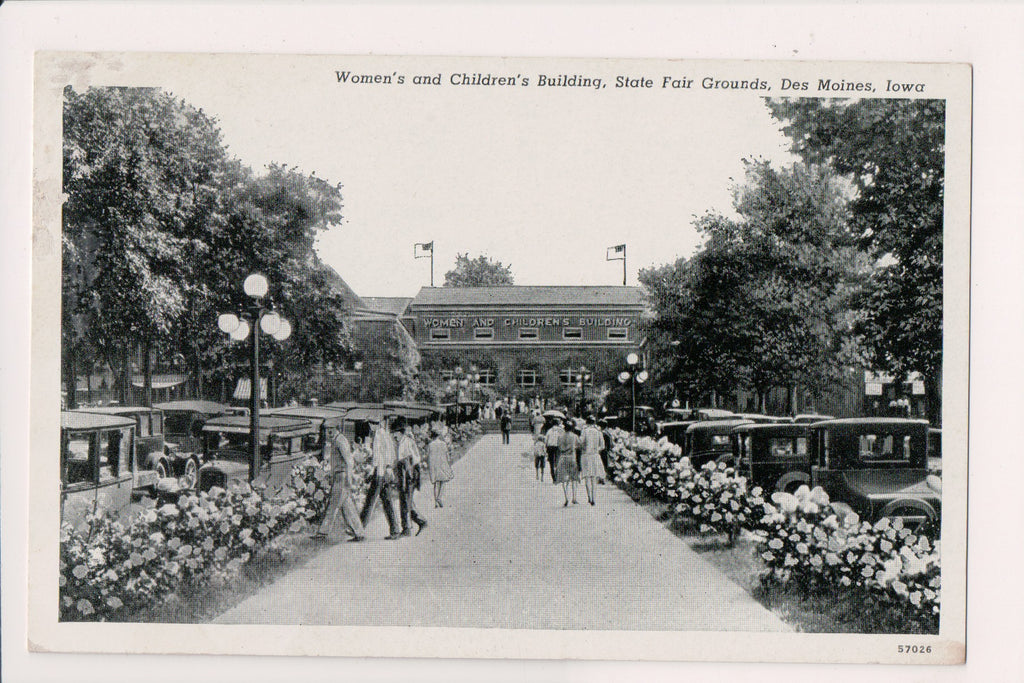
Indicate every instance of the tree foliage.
{"type": "Point", "coordinates": [160, 227]}
{"type": "Point", "coordinates": [893, 152]}
{"type": "Point", "coordinates": [760, 304]}
{"type": "Point", "coordinates": [478, 272]}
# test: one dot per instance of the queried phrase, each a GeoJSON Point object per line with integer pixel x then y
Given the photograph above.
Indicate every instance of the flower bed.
{"type": "Point", "coordinates": [109, 569]}
{"type": "Point", "coordinates": [801, 540]}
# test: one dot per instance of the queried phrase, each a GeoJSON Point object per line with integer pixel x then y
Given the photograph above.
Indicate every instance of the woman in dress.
{"type": "Point", "coordinates": [566, 471]}
{"type": "Point", "coordinates": [439, 462]}
{"type": "Point", "coordinates": [591, 467]}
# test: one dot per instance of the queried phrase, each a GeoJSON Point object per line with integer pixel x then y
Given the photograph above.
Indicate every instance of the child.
{"type": "Point", "coordinates": [540, 452]}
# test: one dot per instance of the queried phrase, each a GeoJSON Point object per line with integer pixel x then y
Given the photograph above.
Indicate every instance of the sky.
{"type": "Point", "coordinates": [542, 179]}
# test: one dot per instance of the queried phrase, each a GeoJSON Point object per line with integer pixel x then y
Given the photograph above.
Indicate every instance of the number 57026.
{"type": "Point", "coordinates": [914, 649]}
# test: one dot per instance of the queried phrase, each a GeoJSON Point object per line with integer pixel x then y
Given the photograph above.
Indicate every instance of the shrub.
{"type": "Point", "coordinates": [716, 497]}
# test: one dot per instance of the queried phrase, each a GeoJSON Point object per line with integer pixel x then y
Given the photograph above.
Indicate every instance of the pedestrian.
{"type": "Point", "coordinates": [567, 471]}
{"type": "Point", "coordinates": [506, 428]}
{"type": "Point", "coordinates": [606, 452]}
{"type": "Point", "coordinates": [540, 452]}
{"type": "Point", "coordinates": [383, 458]}
{"type": "Point", "coordinates": [408, 476]}
{"type": "Point", "coordinates": [498, 411]}
{"type": "Point", "coordinates": [591, 467]}
{"type": "Point", "coordinates": [551, 442]}
{"type": "Point", "coordinates": [341, 493]}
{"type": "Point", "coordinates": [440, 464]}
{"type": "Point", "coordinates": [537, 424]}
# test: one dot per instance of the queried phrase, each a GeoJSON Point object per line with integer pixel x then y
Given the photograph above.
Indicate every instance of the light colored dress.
{"type": "Point", "coordinates": [566, 470]}
{"type": "Point", "coordinates": [590, 461]}
{"type": "Point", "coordinates": [438, 461]}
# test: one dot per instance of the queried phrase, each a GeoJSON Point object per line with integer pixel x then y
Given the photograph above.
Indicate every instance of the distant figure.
{"type": "Point", "coordinates": [506, 428]}
{"type": "Point", "coordinates": [551, 442]}
{"type": "Point", "coordinates": [440, 464]}
{"type": "Point", "coordinates": [537, 424]}
{"type": "Point", "coordinates": [341, 493]}
{"type": "Point", "coordinates": [540, 451]}
{"type": "Point", "coordinates": [591, 467]}
{"type": "Point", "coordinates": [568, 471]}
{"type": "Point", "coordinates": [498, 411]}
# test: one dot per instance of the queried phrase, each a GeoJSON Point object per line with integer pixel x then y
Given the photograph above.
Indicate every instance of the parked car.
{"type": "Point", "coordinates": [184, 420]}
{"type": "Point", "coordinates": [776, 457]}
{"type": "Point", "coordinates": [710, 440]}
{"type": "Point", "coordinates": [646, 425]}
{"type": "Point", "coordinates": [935, 450]}
{"type": "Point", "coordinates": [97, 464]}
{"type": "Point", "coordinates": [152, 455]}
{"type": "Point", "coordinates": [226, 450]}
{"type": "Point", "coordinates": [811, 418]}
{"type": "Point", "coordinates": [878, 467]}
{"type": "Point", "coordinates": [327, 421]}
{"type": "Point", "coordinates": [674, 430]}
{"type": "Point", "coordinates": [700, 414]}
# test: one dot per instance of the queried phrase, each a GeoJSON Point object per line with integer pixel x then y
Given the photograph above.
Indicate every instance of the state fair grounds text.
{"type": "Point", "coordinates": [476, 79]}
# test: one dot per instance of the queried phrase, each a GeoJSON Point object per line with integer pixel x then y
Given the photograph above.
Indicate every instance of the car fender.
{"type": "Point", "coordinates": [923, 506]}
{"type": "Point", "coordinates": [792, 477]}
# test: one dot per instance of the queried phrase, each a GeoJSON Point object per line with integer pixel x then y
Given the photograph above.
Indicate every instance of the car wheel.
{"type": "Point", "coordinates": [190, 478]}
{"type": "Point", "coordinates": [162, 469]}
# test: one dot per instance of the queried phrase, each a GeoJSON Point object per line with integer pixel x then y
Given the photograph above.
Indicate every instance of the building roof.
{"type": "Point", "coordinates": [395, 305]}
{"type": "Point", "coordinates": [517, 295]}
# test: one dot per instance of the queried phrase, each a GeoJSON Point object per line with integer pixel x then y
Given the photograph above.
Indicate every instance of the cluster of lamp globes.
{"type": "Point", "coordinates": [271, 323]}
{"type": "Point", "coordinates": [641, 377]}
{"type": "Point", "coordinates": [473, 376]}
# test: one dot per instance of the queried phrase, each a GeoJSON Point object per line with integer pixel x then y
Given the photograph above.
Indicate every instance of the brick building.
{"type": "Point", "coordinates": [524, 341]}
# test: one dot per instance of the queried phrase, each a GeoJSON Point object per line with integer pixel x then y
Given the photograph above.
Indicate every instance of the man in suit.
{"type": "Point", "coordinates": [551, 441]}
{"type": "Point", "coordinates": [408, 474]}
{"type": "Point", "coordinates": [341, 493]}
{"type": "Point", "coordinates": [384, 459]}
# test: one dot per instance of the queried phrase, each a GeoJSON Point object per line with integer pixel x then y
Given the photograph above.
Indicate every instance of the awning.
{"type": "Point", "coordinates": [164, 384]}
{"type": "Point", "coordinates": [243, 390]}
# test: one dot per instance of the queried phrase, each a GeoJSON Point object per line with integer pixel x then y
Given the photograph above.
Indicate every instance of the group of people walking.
{"type": "Point", "coordinates": [398, 470]}
{"type": "Point", "coordinates": [572, 454]}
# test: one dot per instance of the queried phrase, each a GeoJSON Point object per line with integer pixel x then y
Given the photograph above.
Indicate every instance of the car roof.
{"type": "Point", "coordinates": [855, 422]}
{"type": "Point", "coordinates": [239, 424]}
{"type": "Point", "coordinates": [198, 406]}
{"type": "Point", "coordinates": [118, 410]}
{"type": "Point", "coordinates": [783, 428]}
{"type": "Point", "coordinates": [365, 414]}
{"type": "Point", "coordinates": [717, 425]}
{"type": "Point", "coordinates": [315, 412]}
{"type": "Point", "coordinates": [77, 419]}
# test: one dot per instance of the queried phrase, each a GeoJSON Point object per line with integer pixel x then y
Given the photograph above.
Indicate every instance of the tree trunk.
{"type": "Point", "coordinates": [147, 370]}
{"type": "Point", "coordinates": [71, 377]}
{"type": "Point", "coordinates": [125, 383]}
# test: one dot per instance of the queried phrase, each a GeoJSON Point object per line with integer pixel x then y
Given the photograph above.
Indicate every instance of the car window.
{"type": "Point", "coordinates": [79, 467]}
{"type": "Point", "coordinates": [108, 447]}
{"type": "Point", "coordinates": [177, 423]}
{"type": "Point", "coordinates": [884, 447]}
{"type": "Point", "coordinates": [158, 423]}
{"type": "Point", "coordinates": [781, 447]}
{"type": "Point", "coordinates": [143, 421]}
{"type": "Point", "coordinates": [720, 440]}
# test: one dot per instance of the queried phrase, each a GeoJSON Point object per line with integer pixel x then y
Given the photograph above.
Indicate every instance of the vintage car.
{"type": "Point", "coordinates": [152, 454]}
{"type": "Point", "coordinates": [97, 464]}
{"type": "Point", "coordinates": [935, 450]}
{"type": "Point", "coordinates": [184, 420]}
{"type": "Point", "coordinates": [327, 421]}
{"type": "Point", "coordinates": [776, 457]}
{"type": "Point", "coordinates": [226, 450]}
{"type": "Point", "coordinates": [646, 425]}
{"type": "Point", "coordinates": [710, 440]}
{"type": "Point", "coordinates": [878, 467]}
{"type": "Point", "coordinates": [674, 430]}
{"type": "Point", "coordinates": [811, 418]}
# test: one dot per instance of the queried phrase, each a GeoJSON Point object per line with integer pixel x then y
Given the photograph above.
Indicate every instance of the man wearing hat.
{"type": "Point", "coordinates": [551, 441]}
{"type": "Point", "coordinates": [384, 458]}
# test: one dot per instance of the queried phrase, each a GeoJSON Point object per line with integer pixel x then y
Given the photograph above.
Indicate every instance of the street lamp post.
{"type": "Point", "coordinates": [634, 378]}
{"type": "Point", "coordinates": [254, 318]}
{"type": "Point", "coordinates": [584, 378]}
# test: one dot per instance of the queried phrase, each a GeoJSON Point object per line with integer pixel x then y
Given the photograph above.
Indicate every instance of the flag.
{"type": "Point", "coordinates": [422, 249]}
{"type": "Point", "coordinates": [617, 249]}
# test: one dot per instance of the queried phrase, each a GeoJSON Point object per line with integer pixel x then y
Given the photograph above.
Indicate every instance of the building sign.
{"type": "Point", "coordinates": [529, 321]}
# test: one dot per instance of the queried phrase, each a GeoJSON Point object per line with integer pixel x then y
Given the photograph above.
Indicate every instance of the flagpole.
{"type": "Point", "coordinates": [623, 265]}
{"type": "Point", "coordinates": [431, 264]}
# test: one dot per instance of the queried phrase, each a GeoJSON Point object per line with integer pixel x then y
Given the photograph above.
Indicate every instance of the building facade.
{"type": "Point", "coordinates": [525, 341]}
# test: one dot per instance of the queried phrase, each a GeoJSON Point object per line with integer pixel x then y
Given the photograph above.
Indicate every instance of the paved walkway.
{"type": "Point", "coordinates": [504, 552]}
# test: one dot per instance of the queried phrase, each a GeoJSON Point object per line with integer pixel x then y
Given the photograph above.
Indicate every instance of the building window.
{"type": "Point", "coordinates": [528, 333]}
{"type": "Point", "coordinates": [483, 333]}
{"type": "Point", "coordinates": [572, 333]}
{"type": "Point", "coordinates": [569, 377]}
{"type": "Point", "coordinates": [487, 378]}
{"type": "Point", "coordinates": [447, 375]}
{"type": "Point", "coordinates": [440, 335]}
{"type": "Point", "coordinates": [526, 378]}
{"type": "Point", "coordinates": [618, 333]}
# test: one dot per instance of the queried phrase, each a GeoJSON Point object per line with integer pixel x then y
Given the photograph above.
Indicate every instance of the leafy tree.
{"type": "Point", "coordinates": [893, 151]}
{"type": "Point", "coordinates": [478, 272]}
{"type": "Point", "coordinates": [760, 304]}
